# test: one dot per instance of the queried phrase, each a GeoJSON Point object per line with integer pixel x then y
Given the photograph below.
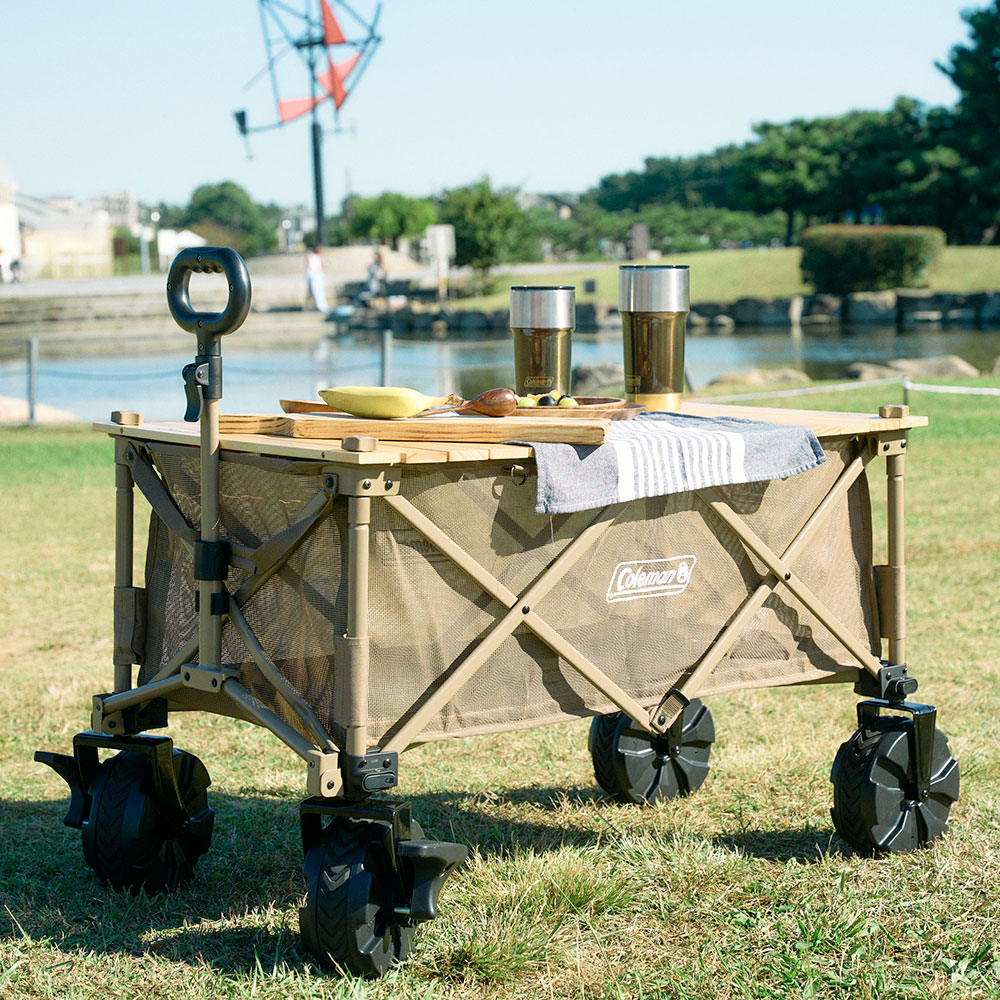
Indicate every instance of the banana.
{"type": "Point", "coordinates": [382, 401]}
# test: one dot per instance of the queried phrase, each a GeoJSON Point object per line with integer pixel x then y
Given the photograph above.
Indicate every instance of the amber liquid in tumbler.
{"type": "Point", "coordinates": [654, 358]}
{"type": "Point", "coordinates": [541, 361]}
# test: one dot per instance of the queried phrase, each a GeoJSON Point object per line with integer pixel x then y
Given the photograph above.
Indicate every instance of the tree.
{"type": "Point", "coordinates": [974, 68]}
{"type": "Point", "coordinates": [489, 226]}
{"type": "Point", "coordinates": [390, 217]}
{"type": "Point", "coordinates": [786, 169]}
{"type": "Point", "coordinates": [228, 213]}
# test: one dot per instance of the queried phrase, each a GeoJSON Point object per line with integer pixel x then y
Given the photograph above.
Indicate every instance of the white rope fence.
{"type": "Point", "coordinates": [962, 390]}
{"type": "Point", "coordinates": [901, 380]}
{"type": "Point", "coordinates": [808, 391]}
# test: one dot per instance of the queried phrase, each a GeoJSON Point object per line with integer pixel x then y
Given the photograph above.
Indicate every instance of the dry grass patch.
{"type": "Point", "coordinates": [741, 891]}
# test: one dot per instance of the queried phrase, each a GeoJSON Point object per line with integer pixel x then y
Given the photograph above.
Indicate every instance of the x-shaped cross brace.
{"type": "Point", "coordinates": [521, 609]}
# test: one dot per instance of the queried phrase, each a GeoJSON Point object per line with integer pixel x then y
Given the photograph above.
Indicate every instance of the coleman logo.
{"type": "Point", "coordinates": [650, 578]}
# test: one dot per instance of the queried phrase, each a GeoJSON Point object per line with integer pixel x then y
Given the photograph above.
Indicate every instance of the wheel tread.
{"type": "Point", "coordinates": [619, 780]}
{"type": "Point", "coordinates": [344, 845]}
{"type": "Point", "coordinates": [603, 732]}
{"type": "Point", "coordinates": [124, 772]}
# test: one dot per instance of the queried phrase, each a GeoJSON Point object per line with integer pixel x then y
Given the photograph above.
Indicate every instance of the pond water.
{"type": "Point", "coordinates": [91, 387]}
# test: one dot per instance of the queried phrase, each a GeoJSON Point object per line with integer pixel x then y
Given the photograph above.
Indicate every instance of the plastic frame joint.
{"type": "Point", "coordinates": [353, 482]}
{"type": "Point", "coordinates": [130, 720]}
{"type": "Point", "coordinates": [893, 684]}
{"type": "Point", "coordinates": [211, 560]}
{"type": "Point", "coordinates": [206, 678]}
{"type": "Point", "coordinates": [374, 772]}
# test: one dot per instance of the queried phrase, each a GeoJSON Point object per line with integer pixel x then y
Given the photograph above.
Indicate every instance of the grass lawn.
{"type": "Point", "coordinates": [727, 275]}
{"type": "Point", "coordinates": [740, 891]}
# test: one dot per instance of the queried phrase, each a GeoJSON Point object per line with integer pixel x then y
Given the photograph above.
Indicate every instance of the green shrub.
{"type": "Point", "coordinates": [841, 259]}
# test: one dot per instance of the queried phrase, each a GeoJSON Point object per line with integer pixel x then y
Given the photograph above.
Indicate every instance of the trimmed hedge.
{"type": "Point", "coordinates": [841, 259]}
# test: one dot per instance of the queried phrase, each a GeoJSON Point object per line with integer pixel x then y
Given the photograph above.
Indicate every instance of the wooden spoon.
{"type": "Point", "coordinates": [492, 403]}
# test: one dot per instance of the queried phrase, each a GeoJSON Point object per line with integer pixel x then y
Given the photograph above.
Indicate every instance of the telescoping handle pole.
{"type": "Point", "coordinates": [203, 388]}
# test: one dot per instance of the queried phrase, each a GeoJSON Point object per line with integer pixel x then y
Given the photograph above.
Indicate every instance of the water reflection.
{"type": "Point", "coordinates": [255, 380]}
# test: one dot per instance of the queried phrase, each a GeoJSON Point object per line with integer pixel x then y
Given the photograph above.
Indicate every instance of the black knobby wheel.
{"type": "Point", "coordinates": [349, 921]}
{"type": "Point", "coordinates": [876, 807]}
{"type": "Point", "coordinates": [131, 838]}
{"type": "Point", "coordinates": [632, 765]}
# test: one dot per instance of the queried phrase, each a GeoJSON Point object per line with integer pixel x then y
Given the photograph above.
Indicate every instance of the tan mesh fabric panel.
{"type": "Point", "coordinates": [627, 604]}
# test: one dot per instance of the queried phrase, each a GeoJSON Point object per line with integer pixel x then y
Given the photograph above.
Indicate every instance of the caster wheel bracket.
{"type": "Point", "coordinates": [420, 867]}
{"type": "Point", "coordinates": [923, 720]}
{"type": "Point", "coordinates": [79, 771]}
{"type": "Point", "coordinates": [430, 863]}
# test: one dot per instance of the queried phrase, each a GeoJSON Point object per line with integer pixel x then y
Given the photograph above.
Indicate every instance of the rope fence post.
{"type": "Point", "coordinates": [32, 379]}
{"type": "Point", "coordinates": [386, 375]}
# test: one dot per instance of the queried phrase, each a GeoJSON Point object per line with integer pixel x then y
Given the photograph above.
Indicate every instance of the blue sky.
{"type": "Point", "coordinates": [548, 96]}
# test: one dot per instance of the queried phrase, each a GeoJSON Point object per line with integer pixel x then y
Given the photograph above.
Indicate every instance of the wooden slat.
{"type": "Point", "coordinates": [823, 423]}
{"type": "Point", "coordinates": [477, 430]}
{"type": "Point", "coordinates": [387, 453]}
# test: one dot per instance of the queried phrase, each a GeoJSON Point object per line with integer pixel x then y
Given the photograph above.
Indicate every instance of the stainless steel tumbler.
{"type": "Point", "coordinates": [654, 301]}
{"type": "Point", "coordinates": [542, 320]}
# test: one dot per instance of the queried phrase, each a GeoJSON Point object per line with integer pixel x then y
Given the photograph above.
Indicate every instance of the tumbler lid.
{"type": "Point", "coordinates": [654, 288]}
{"type": "Point", "coordinates": [543, 307]}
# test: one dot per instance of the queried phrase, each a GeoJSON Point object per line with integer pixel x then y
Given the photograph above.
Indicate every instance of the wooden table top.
{"type": "Point", "coordinates": [824, 424]}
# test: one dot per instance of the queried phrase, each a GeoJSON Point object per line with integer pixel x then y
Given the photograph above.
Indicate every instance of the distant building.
{"type": "Point", "coordinates": [61, 239]}
{"type": "Point", "coordinates": [170, 242]}
{"type": "Point", "coordinates": [10, 236]}
{"type": "Point", "coordinates": [122, 208]}
{"type": "Point", "coordinates": [292, 229]}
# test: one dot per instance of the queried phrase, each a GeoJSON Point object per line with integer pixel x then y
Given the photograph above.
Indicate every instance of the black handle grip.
{"type": "Point", "coordinates": [217, 260]}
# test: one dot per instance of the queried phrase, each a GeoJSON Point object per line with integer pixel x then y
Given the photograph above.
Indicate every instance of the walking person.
{"type": "Point", "coordinates": [376, 277]}
{"type": "Point", "coordinates": [316, 280]}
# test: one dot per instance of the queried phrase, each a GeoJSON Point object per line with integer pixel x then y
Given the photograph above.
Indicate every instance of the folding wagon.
{"type": "Point", "coordinates": [358, 597]}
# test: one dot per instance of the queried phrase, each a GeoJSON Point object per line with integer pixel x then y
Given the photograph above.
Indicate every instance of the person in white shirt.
{"type": "Point", "coordinates": [316, 279]}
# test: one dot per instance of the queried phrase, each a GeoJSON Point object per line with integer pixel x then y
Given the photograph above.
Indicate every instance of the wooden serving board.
{"type": "Point", "coordinates": [328, 427]}
{"type": "Point", "coordinates": [590, 406]}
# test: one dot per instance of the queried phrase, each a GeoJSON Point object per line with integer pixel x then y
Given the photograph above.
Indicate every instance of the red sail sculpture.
{"type": "Point", "coordinates": [287, 110]}
{"type": "Point", "coordinates": [332, 35]}
{"type": "Point", "coordinates": [332, 82]}
{"type": "Point", "coordinates": [322, 31]}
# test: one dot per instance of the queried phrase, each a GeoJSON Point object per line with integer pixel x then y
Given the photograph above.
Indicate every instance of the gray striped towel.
{"type": "Point", "coordinates": [660, 453]}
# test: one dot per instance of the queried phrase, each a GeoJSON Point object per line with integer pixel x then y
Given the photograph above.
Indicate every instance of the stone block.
{"type": "Point", "coordinates": [586, 316]}
{"type": "Point", "coordinates": [767, 312]}
{"type": "Point", "coordinates": [711, 309]}
{"type": "Point", "coordinates": [500, 319]}
{"type": "Point", "coordinates": [823, 304]}
{"type": "Point", "coordinates": [401, 321]}
{"type": "Point", "coordinates": [989, 309]}
{"type": "Point", "coordinates": [962, 316]}
{"type": "Point", "coordinates": [941, 366]}
{"type": "Point", "coordinates": [916, 300]}
{"type": "Point", "coordinates": [763, 377]}
{"type": "Point", "coordinates": [598, 379]}
{"type": "Point", "coordinates": [870, 307]}
{"type": "Point", "coordinates": [920, 318]}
